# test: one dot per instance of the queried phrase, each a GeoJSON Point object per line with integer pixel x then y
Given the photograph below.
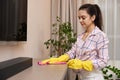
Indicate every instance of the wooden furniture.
{"type": "Point", "coordinates": [45, 72]}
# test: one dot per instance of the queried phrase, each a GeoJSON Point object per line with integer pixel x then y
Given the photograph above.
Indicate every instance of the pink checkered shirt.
{"type": "Point", "coordinates": [94, 48]}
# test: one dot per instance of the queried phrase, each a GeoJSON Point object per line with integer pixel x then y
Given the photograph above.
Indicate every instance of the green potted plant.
{"type": "Point", "coordinates": [62, 38]}
{"type": "Point", "coordinates": [109, 71]}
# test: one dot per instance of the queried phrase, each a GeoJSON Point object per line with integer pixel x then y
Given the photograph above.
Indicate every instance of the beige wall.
{"type": "Point", "coordinates": [38, 31]}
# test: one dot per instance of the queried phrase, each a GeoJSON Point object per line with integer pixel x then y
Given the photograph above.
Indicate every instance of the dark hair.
{"type": "Point", "coordinates": [93, 9]}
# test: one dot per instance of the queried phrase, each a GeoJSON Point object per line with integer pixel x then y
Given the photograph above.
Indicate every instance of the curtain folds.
{"type": "Point", "coordinates": [66, 10]}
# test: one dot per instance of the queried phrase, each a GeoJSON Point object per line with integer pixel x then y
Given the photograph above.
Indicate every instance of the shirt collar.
{"type": "Point", "coordinates": [95, 31]}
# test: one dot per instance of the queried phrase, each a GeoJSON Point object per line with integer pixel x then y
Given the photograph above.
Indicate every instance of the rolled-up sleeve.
{"type": "Point", "coordinates": [102, 53]}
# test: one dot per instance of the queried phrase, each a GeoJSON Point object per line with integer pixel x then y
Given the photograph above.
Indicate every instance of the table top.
{"type": "Point", "coordinates": [44, 72]}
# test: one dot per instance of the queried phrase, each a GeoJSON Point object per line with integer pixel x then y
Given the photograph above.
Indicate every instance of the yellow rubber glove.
{"type": "Point", "coordinates": [87, 65]}
{"type": "Point", "coordinates": [63, 58]}
{"type": "Point", "coordinates": [70, 62]}
{"type": "Point", "coordinates": [78, 64]}
{"type": "Point", "coordinates": [75, 64]}
{"type": "Point", "coordinates": [49, 61]}
{"type": "Point", "coordinates": [45, 61]}
{"type": "Point", "coordinates": [53, 60]}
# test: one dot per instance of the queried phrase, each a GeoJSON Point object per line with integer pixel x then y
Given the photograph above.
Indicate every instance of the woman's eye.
{"type": "Point", "coordinates": [83, 18]}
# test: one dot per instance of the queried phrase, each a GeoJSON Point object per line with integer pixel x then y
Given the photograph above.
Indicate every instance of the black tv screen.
{"type": "Point", "coordinates": [13, 20]}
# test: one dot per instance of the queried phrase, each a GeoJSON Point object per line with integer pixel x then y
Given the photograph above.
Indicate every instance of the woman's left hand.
{"type": "Point", "coordinates": [75, 64]}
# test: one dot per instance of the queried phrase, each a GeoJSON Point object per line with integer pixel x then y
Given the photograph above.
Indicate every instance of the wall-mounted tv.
{"type": "Point", "coordinates": [13, 20]}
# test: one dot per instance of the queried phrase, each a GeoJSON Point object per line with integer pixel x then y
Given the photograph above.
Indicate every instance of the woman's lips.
{"type": "Point", "coordinates": [82, 24]}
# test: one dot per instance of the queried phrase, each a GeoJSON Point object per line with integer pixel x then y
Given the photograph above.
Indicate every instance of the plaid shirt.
{"type": "Point", "coordinates": [94, 48]}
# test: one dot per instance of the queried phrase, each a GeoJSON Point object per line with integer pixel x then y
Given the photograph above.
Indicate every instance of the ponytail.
{"type": "Point", "coordinates": [98, 21]}
{"type": "Point", "coordinates": [93, 9]}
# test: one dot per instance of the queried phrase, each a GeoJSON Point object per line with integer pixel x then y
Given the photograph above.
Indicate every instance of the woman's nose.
{"type": "Point", "coordinates": [80, 19]}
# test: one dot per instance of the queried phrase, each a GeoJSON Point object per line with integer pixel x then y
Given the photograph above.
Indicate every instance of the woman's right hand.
{"type": "Point", "coordinates": [60, 60]}
{"type": "Point", "coordinates": [48, 61]}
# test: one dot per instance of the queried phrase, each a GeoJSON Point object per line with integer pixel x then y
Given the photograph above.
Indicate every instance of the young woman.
{"type": "Point", "coordinates": [90, 52]}
{"type": "Point", "coordinates": [92, 45]}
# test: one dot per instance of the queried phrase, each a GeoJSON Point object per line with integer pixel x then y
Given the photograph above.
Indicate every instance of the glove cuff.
{"type": "Point", "coordinates": [63, 58]}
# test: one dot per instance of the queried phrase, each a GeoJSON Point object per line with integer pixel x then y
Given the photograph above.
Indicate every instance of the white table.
{"type": "Point", "coordinates": [45, 72]}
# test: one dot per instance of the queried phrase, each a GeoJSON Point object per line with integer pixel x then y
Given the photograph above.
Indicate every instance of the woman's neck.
{"type": "Point", "coordinates": [90, 29]}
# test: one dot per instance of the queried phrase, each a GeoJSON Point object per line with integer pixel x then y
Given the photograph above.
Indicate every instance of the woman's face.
{"type": "Point", "coordinates": [85, 19]}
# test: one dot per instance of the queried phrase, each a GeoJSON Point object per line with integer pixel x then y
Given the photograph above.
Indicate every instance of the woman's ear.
{"type": "Point", "coordinates": [93, 17]}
